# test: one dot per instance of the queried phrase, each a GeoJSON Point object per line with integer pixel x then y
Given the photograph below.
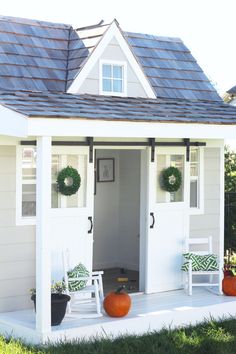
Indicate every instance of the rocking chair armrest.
{"type": "Point", "coordinates": [91, 277]}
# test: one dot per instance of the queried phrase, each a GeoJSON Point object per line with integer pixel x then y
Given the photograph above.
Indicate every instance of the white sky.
{"type": "Point", "coordinates": [207, 27]}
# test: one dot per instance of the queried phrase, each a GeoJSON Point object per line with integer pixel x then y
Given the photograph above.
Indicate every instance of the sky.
{"type": "Point", "coordinates": [207, 27]}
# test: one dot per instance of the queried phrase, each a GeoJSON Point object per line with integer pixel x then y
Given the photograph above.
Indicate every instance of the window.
{"type": "Point", "coordinates": [164, 161]}
{"type": "Point", "coordinates": [28, 207]}
{"type": "Point", "coordinates": [113, 78]}
{"type": "Point", "coordinates": [26, 183]}
{"type": "Point", "coordinates": [59, 161]}
{"type": "Point", "coordinates": [196, 179]}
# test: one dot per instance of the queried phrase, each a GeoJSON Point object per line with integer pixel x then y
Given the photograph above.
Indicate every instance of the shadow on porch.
{"type": "Point", "coordinates": [148, 313]}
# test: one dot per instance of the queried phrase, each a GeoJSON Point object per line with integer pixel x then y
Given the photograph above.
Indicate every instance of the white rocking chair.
{"type": "Point", "coordinates": [91, 293]}
{"type": "Point", "coordinates": [189, 275]}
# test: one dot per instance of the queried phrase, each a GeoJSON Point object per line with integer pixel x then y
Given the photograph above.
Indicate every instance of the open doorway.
{"type": "Point", "coordinates": [117, 218]}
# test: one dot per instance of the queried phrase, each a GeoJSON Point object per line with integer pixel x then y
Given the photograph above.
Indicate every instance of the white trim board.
{"type": "Point", "coordinates": [112, 31]}
{"type": "Point", "coordinates": [102, 128]}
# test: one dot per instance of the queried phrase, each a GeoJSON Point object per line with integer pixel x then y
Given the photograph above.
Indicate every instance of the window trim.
{"type": "Point", "coordinates": [123, 64]}
{"type": "Point", "coordinates": [31, 220]}
{"type": "Point", "coordinates": [200, 208]}
{"type": "Point", "coordinates": [21, 220]}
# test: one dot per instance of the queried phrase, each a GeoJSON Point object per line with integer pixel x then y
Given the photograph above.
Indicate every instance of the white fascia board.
{"type": "Point", "coordinates": [12, 123]}
{"type": "Point", "coordinates": [113, 31]}
{"type": "Point", "coordinates": [114, 129]}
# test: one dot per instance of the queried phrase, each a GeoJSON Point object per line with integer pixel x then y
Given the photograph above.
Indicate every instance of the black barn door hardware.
{"type": "Point", "coordinates": [153, 221]}
{"type": "Point", "coordinates": [90, 218]}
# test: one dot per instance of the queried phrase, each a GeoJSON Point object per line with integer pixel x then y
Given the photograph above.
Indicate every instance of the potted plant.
{"type": "Point", "coordinates": [58, 301]}
{"type": "Point", "coordinates": [229, 281]}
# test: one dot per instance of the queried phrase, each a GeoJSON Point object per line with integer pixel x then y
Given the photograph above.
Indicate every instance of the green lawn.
{"type": "Point", "coordinates": [210, 337]}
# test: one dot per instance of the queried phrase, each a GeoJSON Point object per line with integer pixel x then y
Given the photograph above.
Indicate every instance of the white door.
{"type": "Point", "coordinates": [72, 216]}
{"type": "Point", "coordinates": [168, 222]}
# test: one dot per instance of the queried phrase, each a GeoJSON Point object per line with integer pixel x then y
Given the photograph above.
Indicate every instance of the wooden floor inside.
{"type": "Point", "coordinates": [115, 277]}
{"type": "Point", "coordinates": [148, 313]}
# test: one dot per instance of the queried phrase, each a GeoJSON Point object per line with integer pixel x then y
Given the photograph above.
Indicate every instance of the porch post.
{"type": "Point", "coordinates": [43, 249]}
{"type": "Point", "coordinates": [222, 213]}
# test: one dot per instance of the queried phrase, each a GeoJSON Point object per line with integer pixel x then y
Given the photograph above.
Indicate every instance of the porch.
{"type": "Point", "coordinates": [148, 313]}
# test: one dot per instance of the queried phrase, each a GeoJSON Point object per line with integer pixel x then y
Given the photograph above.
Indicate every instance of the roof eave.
{"type": "Point", "coordinates": [80, 127]}
{"type": "Point", "coordinates": [12, 123]}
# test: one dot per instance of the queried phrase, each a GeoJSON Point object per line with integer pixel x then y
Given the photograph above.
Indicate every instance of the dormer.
{"type": "Point", "coordinates": [111, 68]}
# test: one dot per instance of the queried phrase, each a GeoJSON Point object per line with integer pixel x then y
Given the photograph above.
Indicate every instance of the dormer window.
{"type": "Point", "coordinates": [113, 78]}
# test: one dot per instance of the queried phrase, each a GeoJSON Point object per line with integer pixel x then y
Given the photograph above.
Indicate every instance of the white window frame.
{"type": "Point", "coordinates": [200, 208]}
{"type": "Point", "coordinates": [123, 64]}
{"type": "Point", "coordinates": [21, 220]}
{"type": "Point", "coordinates": [31, 220]}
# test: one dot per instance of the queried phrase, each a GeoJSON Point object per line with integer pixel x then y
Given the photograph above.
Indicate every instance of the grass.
{"type": "Point", "coordinates": [207, 338]}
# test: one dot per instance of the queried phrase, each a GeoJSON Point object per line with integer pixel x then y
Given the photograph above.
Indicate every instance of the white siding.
{"type": "Point", "coordinates": [113, 52]}
{"type": "Point", "coordinates": [209, 223]}
{"type": "Point", "coordinates": [17, 243]}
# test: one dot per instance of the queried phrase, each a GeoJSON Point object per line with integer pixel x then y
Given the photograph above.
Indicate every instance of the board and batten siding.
{"type": "Point", "coordinates": [17, 243]}
{"type": "Point", "coordinates": [208, 224]}
{"type": "Point", "coordinates": [113, 52]}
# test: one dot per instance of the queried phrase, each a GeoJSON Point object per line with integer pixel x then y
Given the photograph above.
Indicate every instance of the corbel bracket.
{"type": "Point", "coordinates": [187, 144]}
{"type": "Point", "coordinates": [152, 144]}
{"type": "Point", "coordinates": [90, 144]}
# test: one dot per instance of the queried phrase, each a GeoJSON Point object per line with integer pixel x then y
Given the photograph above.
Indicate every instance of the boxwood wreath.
{"type": "Point", "coordinates": [171, 179]}
{"type": "Point", "coordinates": [68, 181]}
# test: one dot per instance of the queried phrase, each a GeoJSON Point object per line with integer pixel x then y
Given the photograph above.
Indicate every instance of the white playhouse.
{"type": "Point", "coordinates": [119, 108]}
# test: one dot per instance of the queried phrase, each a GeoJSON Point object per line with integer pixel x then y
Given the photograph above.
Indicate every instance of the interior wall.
{"type": "Point", "coordinates": [129, 208]}
{"type": "Point", "coordinates": [106, 217]}
{"type": "Point", "coordinates": [116, 213]}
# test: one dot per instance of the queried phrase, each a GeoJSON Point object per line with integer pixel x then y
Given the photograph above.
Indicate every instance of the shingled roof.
{"type": "Point", "coordinates": [170, 67]}
{"type": "Point", "coordinates": [45, 56]}
{"type": "Point", "coordinates": [55, 105]}
{"type": "Point", "coordinates": [33, 55]}
{"type": "Point", "coordinates": [232, 91]}
{"type": "Point", "coordinates": [80, 50]}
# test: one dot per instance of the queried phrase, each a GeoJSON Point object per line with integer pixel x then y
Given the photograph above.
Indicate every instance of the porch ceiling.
{"type": "Point", "coordinates": [57, 105]}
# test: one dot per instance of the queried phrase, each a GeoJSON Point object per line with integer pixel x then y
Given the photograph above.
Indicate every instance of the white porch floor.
{"type": "Point", "coordinates": [148, 313]}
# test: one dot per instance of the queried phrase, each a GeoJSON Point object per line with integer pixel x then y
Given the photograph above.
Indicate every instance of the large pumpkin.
{"type": "Point", "coordinates": [117, 303]}
{"type": "Point", "coordinates": [229, 286]}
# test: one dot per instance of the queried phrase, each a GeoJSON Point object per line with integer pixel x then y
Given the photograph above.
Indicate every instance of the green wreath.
{"type": "Point", "coordinates": [68, 181]}
{"type": "Point", "coordinates": [171, 179]}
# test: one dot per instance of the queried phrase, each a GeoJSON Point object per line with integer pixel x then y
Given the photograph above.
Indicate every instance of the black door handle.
{"type": "Point", "coordinates": [153, 220]}
{"type": "Point", "coordinates": [90, 218]}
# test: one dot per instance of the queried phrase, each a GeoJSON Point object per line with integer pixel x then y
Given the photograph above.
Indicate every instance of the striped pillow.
{"type": "Point", "coordinates": [79, 271]}
{"type": "Point", "coordinates": [207, 262]}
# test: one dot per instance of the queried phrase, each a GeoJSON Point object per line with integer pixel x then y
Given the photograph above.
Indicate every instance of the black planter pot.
{"type": "Point", "coordinates": [58, 307]}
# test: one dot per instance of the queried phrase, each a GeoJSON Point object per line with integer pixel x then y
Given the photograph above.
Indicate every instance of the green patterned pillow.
{"type": "Point", "coordinates": [207, 262]}
{"type": "Point", "coordinates": [79, 271]}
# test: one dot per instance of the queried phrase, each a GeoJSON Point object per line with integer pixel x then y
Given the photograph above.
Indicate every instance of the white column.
{"type": "Point", "coordinates": [222, 213]}
{"type": "Point", "coordinates": [43, 249]}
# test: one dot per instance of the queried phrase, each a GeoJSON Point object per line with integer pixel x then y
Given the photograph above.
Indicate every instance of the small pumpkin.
{"type": "Point", "coordinates": [229, 286]}
{"type": "Point", "coordinates": [117, 303]}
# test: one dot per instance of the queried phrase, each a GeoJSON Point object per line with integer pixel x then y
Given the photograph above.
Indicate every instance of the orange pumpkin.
{"type": "Point", "coordinates": [229, 286]}
{"type": "Point", "coordinates": [117, 303]}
